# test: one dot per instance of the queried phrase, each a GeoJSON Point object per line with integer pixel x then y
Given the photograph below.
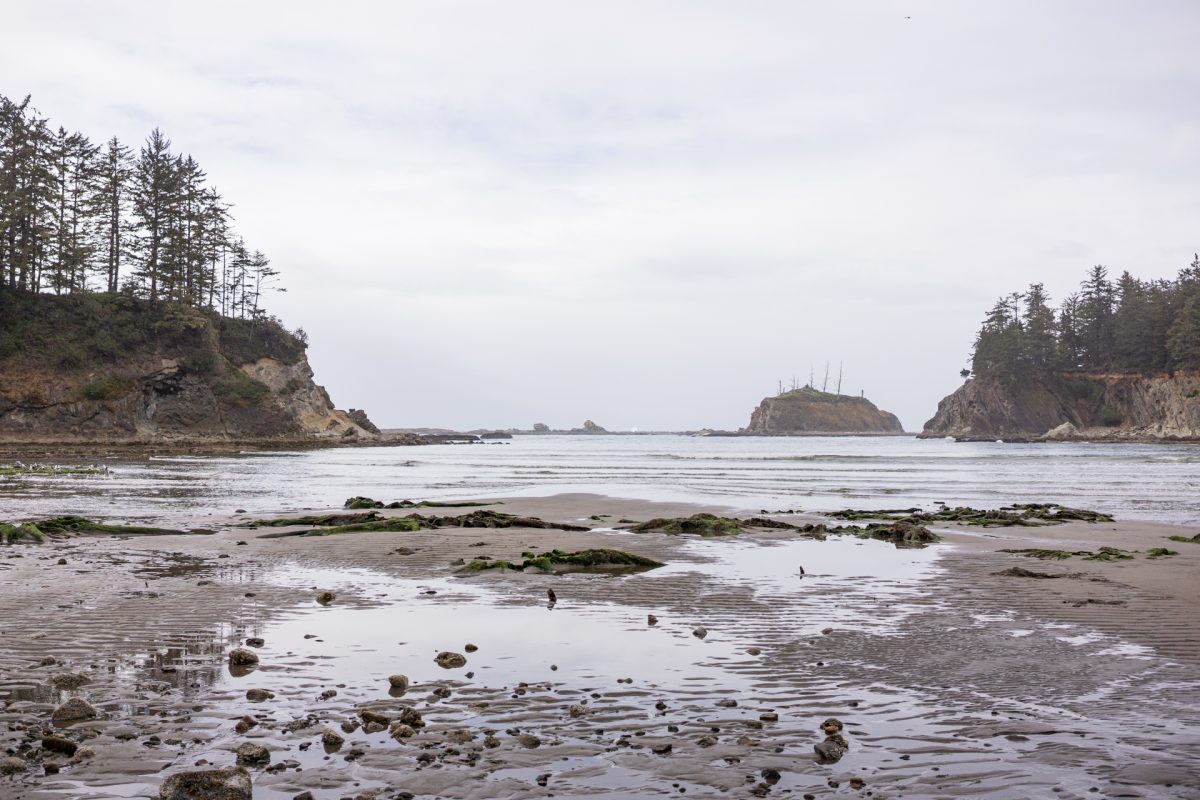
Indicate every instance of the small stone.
{"type": "Point", "coordinates": [831, 726]}
{"type": "Point", "coordinates": [12, 765]}
{"type": "Point", "coordinates": [700, 632]}
{"type": "Point", "coordinates": [754, 651]}
{"type": "Point", "coordinates": [59, 744]}
{"type": "Point", "coordinates": [661, 705]}
{"type": "Point", "coordinates": [529, 740]}
{"type": "Point", "coordinates": [651, 619]}
{"type": "Point", "coordinates": [826, 631]}
{"type": "Point", "coordinates": [410, 716]}
{"type": "Point", "coordinates": [255, 641]}
{"type": "Point", "coordinates": [74, 709]}
{"type": "Point", "coordinates": [325, 598]}
{"type": "Point", "coordinates": [350, 725]}
{"type": "Point", "coordinates": [83, 754]}
{"type": "Point", "coordinates": [245, 723]}
{"type": "Point", "coordinates": [398, 682]}
{"type": "Point", "coordinates": [857, 782]}
{"type": "Point", "coordinates": [251, 753]}
{"type": "Point", "coordinates": [374, 717]}
{"type": "Point", "coordinates": [460, 735]}
{"type": "Point", "coordinates": [401, 731]}
{"type": "Point", "coordinates": [68, 681]}
{"type": "Point", "coordinates": [470, 648]}
{"type": "Point", "coordinates": [769, 716]}
{"type": "Point", "coordinates": [663, 750]}
{"type": "Point", "coordinates": [707, 741]}
{"type": "Point", "coordinates": [770, 776]}
{"type": "Point", "coordinates": [304, 796]}
{"type": "Point", "coordinates": [62, 562]}
{"type": "Point", "coordinates": [830, 750]}
{"type": "Point", "coordinates": [576, 711]}
{"type": "Point", "coordinates": [258, 695]}
{"type": "Point", "coordinates": [332, 739]}
{"type": "Point", "coordinates": [229, 783]}
{"type": "Point", "coordinates": [328, 694]}
{"type": "Point", "coordinates": [241, 657]}
{"type": "Point", "coordinates": [727, 703]}
{"type": "Point", "coordinates": [373, 727]}
{"type": "Point", "coordinates": [449, 660]}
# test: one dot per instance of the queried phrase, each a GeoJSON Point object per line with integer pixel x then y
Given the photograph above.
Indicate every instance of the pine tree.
{"type": "Point", "coordinates": [110, 203]}
{"type": "Point", "coordinates": [1039, 348]}
{"type": "Point", "coordinates": [1183, 339]}
{"type": "Point", "coordinates": [155, 195]}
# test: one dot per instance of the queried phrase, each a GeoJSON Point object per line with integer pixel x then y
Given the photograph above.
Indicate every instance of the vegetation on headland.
{"type": "Point", "coordinates": [1127, 326]}
{"type": "Point", "coordinates": [1023, 514]}
{"type": "Point", "coordinates": [76, 216]}
{"type": "Point", "coordinates": [596, 559]}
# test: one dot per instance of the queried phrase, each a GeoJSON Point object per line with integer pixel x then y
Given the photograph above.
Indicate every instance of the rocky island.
{"type": "Point", "coordinates": [810, 410]}
{"type": "Point", "coordinates": [1116, 361]}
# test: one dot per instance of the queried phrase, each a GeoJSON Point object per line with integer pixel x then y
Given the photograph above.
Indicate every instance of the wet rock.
{"type": "Point", "coordinates": [304, 796]}
{"type": "Point", "coordinates": [727, 702]}
{"type": "Point", "coordinates": [769, 716]}
{"type": "Point", "coordinates": [770, 776]}
{"type": "Point", "coordinates": [68, 681]}
{"type": "Point", "coordinates": [529, 740]}
{"type": "Point", "coordinates": [398, 682]}
{"type": "Point", "coordinates": [460, 736]}
{"type": "Point", "coordinates": [74, 709]}
{"type": "Point", "coordinates": [255, 641]}
{"type": "Point", "coordinates": [753, 651]}
{"type": "Point", "coordinates": [662, 751]}
{"type": "Point", "coordinates": [373, 727]}
{"type": "Point", "coordinates": [241, 657]}
{"type": "Point", "coordinates": [245, 723]}
{"type": "Point", "coordinates": [229, 783]}
{"type": "Point", "coordinates": [552, 596]}
{"type": "Point", "coordinates": [328, 694]}
{"type": "Point", "coordinates": [700, 632]}
{"type": "Point", "coordinates": [332, 739]}
{"type": "Point", "coordinates": [251, 753]}
{"type": "Point", "coordinates": [490, 742]}
{"type": "Point", "coordinates": [12, 765]}
{"type": "Point", "coordinates": [831, 726]}
{"type": "Point", "coordinates": [829, 751]}
{"type": "Point", "coordinates": [325, 598]}
{"type": "Point", "coordinates": [47, 661]}
{"type": "Point", "coordinates": [400, 731]}
{"type": "Point", "coordinates": [707, 741]}
{"type": "Point", "coordinates": [449, 660]}
{"type": "Point", "coordinates": [374, 717]}
{"type": "Point", "coordinates": [349, 726]}
{"type": "Point", "coordinates": [258, 695]}
{"type": "Point", "coordinates": [470, 648]}
{"type": "Point", "coordinates": [410, 716]}
{"type": "Point", "coordinates": [857, 782]}
{"type": "Point", "coordinates": [826, 631]}
{"type": "Point", "coordinates": [651, 620]}
{"type": "Point", "coordinates": [83, 754]}
{"type": "Point", "coordinates": [59, 744]}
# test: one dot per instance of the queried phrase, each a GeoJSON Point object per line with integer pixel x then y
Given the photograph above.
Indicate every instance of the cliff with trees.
{"type": "Point", "coordinates": [1115, 360]}
{"type": "Point", "coordinates": [130, 310]}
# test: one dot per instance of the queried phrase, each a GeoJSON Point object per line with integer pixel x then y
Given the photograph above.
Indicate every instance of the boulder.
{"type": "Point", "coordinates": [74, 709]}
{"type": "Point", "coordinates": [449, 660]}
{"type": "Point", "coordinates": [228, 783]}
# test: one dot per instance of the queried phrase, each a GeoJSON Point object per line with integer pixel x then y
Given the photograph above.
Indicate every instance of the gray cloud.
{"type": "Point", "coordinates": [646, 214]}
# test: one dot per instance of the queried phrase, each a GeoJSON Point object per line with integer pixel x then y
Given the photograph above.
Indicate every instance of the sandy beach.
{"type": "Point", "coordinates": [951, 676]}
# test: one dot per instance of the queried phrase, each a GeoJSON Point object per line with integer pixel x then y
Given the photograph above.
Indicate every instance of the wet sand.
{"type": "Point", "coordinates": [951, 680]}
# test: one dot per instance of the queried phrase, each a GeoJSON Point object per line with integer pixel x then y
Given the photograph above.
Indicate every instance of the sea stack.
{"type": "Point", "coordinates": [808, 410]}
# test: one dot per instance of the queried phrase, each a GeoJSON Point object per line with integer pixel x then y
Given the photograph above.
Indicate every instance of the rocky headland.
{"type": "Point", "coordinates": [809, 410]}
{"type": "Point", "coordinates": [112, 368]}
{"type": "Point", "coordinates": [1073, 406]}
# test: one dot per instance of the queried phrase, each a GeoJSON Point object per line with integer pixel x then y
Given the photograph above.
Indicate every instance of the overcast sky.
{"type": "Point", "coordinates": [647, 213]}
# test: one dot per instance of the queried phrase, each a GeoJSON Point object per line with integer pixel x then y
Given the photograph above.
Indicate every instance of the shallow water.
{"type": "Point", "coordinates": [1152, 482]}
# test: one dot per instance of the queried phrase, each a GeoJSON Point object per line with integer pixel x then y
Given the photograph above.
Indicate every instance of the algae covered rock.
{"type": "Point", "coordinates": [73, 710]}
{"type": "Point", "coordinates": [228, 783]}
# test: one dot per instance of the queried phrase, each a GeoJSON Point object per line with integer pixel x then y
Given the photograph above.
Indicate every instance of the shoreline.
{"type": "Point", "coordinates": [126, 599]}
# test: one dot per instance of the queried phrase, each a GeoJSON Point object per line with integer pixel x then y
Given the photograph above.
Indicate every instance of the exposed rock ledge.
{"type": "Point", "coordinates": [811, 411]}
{"type": "Point", "coordinates": [1074, 406]}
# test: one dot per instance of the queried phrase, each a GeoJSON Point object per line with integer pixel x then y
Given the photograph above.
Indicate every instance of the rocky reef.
{"type": "Point", "coordinates": [1073, 406]}
{"type": "Point", "coordinates": [808, 410]}
{"type": "Point", "coordinates": [110, 368]}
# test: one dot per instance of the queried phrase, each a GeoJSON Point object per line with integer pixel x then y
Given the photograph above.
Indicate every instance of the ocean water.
{"type": "Point", "coordinates": [1145, 482]}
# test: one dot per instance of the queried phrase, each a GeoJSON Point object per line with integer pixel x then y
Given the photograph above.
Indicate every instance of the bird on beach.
{"type": "Point", "coordinates": [553, 598]}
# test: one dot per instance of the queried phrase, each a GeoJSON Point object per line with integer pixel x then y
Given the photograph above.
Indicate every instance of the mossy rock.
{"type": "Point", "coordinates": [1160, 552]}
{"type": "Point", "coordinates": [415, 522]}
{"type": "Point", "coordinates": [1019, 514]}
{"type": "Point", "coordinates": [558, 561]}
{"type": "Point", "coordinates": [368, 502]}
{"type": "Point", "coordinates": [1187, 539]}
{"type": "Point", "coordinates": [707, 525]}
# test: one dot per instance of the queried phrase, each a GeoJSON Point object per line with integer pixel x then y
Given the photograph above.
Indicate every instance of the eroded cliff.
{"type": "Point", "coordinates": [1122, 406]}
{"type": "Point", "coordinates": [112, 368]}
{"type": "Point", "coordinates": [811, 411]}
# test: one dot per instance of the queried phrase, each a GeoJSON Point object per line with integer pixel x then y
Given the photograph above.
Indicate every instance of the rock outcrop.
{"type": "Point", "coordinates": [1074, 406]}
{"type": "Point", "coordinates": [808, 410]}
{"type": "Point", "coordinates": [100, 368]}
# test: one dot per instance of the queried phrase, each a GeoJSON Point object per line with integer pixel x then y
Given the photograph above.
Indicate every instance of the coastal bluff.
{"type": "Point", "coordinates": [808, 410]}
{"type": "Point", "coordinates": [110, 368]}
{"type": "Point", "coordinates": [1073, 406]}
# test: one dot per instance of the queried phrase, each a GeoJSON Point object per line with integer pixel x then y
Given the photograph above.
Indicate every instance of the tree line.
{"type": "Point", "coordinates": [76, 216]}
{"type": "Point", "coordinates": [1129, 325]}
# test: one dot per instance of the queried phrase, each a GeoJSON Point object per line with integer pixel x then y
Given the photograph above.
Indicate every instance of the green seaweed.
{"type": "Point", "coordinates": [317, 521]}
{"type": "Point", "coordinates": [359, 503]}
{"type": "Point", "coordinates": [707, 525]}
{"type": "Point", "coordinates": [596, 559]}
{"type": "Point", "coordinates": [1018, 514]}
{"type": "Point", "coordinates": [1187, 539]}
{"type": "Point", "coordinates": [1160, 552]}
{"type": "Point", "coordinates": [414, 522]}
{"type": "Point", "coordinates": [10, 532]}
{"type": "Point", "coordinates": [39, 530]}
{"type": "Point", "coordinates": [1103, 554]}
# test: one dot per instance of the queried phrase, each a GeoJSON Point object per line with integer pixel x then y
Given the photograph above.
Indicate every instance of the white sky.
{"type": "Point", "coordinates": [646, 213]}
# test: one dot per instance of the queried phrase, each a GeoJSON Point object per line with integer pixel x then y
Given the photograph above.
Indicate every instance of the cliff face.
{"type": "Point", "coordinates": [110, 368]}
{"type": "Point", "coordinates": [1074, 406]}
{"type": "Point", "coordinates": [810, 411]}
